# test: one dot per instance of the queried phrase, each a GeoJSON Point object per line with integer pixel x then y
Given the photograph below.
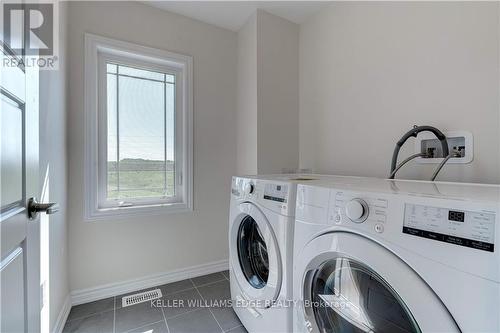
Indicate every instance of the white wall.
{"type": "Point", "coordinates": [278, 93]}
{"type": "Point", "coordinates": [369, 71]}
{"type": "Point", "coordinates": [53, 171]}
{"type": "Point", "coordinates": [268, 89]}
{"type": "Point", "coordinates": [116, 250]}
{"type": "Point", "coordinates": [247, 98]}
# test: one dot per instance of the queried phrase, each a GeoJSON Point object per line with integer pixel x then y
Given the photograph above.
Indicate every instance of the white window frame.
{"type": "Point", "coordinates": [98, 51]}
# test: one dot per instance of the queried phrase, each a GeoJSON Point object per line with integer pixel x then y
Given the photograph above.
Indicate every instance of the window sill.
{"type": "Point", "coordinates": [99, 214]}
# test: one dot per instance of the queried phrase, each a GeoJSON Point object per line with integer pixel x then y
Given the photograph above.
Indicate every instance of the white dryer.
{"type": "Point", "coordinates": [397, 256]}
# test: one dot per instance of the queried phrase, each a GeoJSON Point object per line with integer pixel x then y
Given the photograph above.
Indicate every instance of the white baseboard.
{"type": "Point", "coordinates": [63, 315]}
{"type": "Point", "coordinates": [113, 289]}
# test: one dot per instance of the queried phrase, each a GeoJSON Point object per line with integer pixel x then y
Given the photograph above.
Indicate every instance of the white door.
{"type": "Point", "coordinates": [352, 284]}
{"type": "Point", "coordinates": [20, 234]}
{"type": "Point", "coordinates": [255, 257]}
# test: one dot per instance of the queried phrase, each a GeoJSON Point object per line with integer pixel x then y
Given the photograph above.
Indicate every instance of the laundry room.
{"type": "Point", "coordinates": [250, 166]}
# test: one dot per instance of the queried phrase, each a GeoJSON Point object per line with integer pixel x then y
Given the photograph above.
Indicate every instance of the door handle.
{"type": "Point", "coordinates": [34, 207]}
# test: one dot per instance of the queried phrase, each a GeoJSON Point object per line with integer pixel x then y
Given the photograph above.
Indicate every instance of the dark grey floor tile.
{"type": "Point", "coordinates": [226, 318]}
{"type": "Point", "coordinates": [199, 321]}
{"type": "Point", "coordinates": [181, 302]}
{"type": "Point", "coordinates": [138, 315]}
{"type": "Point", "coordinates": [159, 327]}
{"type": "Point", "coordinates": [88, 309]}
{"type": "Point", "coordinates": [216, 292]}
{"type": "Point", "coordinates": [207, 279]}
{"type": "Point", "coordinates": [98, 323]}
{"type": "Point", "coordinates": [175, 287]}
{"type": "Point", "coordinates": [239, 329]}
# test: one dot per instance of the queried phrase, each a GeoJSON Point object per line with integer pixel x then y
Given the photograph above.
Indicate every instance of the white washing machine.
{"type": "Point", "coordinates": [397, 256]}
{"type": "Point", "coordinates": [261, 228]}
{"type": "Point", "coordinates": [261, 221]}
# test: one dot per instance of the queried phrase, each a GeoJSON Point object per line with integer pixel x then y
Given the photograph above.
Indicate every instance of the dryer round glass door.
{"type": "Point", "coordinates": [349, 283]}
{"type": "Point", "coordinates": [252, 253]}
{"type": "Point", "coordinates": [347, 296]}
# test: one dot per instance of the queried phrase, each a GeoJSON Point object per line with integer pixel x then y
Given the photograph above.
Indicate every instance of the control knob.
{"type": "Point", "coordinates": [248, 188]}
{"type": "Point", "coordinates": [356, 210]}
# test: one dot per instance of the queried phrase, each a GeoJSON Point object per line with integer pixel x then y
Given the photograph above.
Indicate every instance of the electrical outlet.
{"type": "Point", "coordinates": [460, 142]}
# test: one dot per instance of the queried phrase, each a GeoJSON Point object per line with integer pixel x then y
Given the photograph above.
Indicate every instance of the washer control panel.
{"type": "Point", "coordinates": [454, 227]}
{"type": "Point", "coordinates": [473, 229]}
{"type": "Point", "coordinates": [348, 207]}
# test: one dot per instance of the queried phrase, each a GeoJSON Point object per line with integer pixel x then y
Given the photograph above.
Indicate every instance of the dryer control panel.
{"type": "Point", "coordinates": [473, 229]}
{"type": "Point", "coordinates": [276, 195]}
{"type": "Point", "coordinates": [276, 192]}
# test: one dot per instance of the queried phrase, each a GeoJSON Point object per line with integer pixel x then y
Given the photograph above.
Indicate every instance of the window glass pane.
{"type": "Point", "coordinates": [170, 78]}
{"type": "Point", "coordinates": [124, 70]}
{"type": "Point", "coordinates": [170, 137]}
{"type": "Point", "coordinates": [141, 132]}
{"type": "Point", "coordinates": [112, 185]}
{"type": "Point", "coordinates": [141, 141]}
{"type": "Point", "coordinates": [111, 68]}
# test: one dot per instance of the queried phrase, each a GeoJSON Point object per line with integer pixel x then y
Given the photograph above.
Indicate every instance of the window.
{"type": "Point", "coordinates": [139, 129]}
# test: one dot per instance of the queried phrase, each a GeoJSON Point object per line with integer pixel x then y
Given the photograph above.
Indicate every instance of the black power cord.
{"type": "Point", "coordinates": [413, 133]}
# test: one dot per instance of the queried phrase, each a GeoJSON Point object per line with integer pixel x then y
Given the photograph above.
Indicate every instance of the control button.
{"type": "Point", "coordinates": [248, 188]}
{"type": "Point", "coordinates": [381, 203]}
{"type": "Point", "coordinates": [337, 218]}
{"type": "Point", "coordinates": [356, 210]}
{"type": "Point", "coordinates": [379, 228]}
{"type": "Point", "coordinates": [380, 216]}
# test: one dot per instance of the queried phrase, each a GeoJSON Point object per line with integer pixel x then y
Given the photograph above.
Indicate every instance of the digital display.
{"type": "Point", "coordinates": [456, 216]}
{"type": "Point", "coordinates": [473, 229]}
{"type": "Point", "coordinates": [276, 192]}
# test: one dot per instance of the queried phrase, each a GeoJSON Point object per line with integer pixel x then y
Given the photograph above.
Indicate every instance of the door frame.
{"type": "Point", "coordinates": [269, 293]}
{"type": "Point", "coordinates": [427, 309]}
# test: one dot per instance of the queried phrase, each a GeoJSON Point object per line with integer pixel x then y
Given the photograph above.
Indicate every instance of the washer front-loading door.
{"type": "Point", "coordinates": [352, 284]}
{"type": "Point", "coordinates": [255, 257]}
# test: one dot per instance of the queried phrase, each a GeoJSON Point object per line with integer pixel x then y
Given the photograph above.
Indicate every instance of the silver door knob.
{"type": "Point", "coordinates": [34, 207]}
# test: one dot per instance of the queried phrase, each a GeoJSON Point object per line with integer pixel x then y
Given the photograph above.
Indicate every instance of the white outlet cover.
{"type": "Point", "coordinates": [469, 147]}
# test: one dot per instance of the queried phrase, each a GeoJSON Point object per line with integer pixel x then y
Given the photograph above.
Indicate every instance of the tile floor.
{"type": "Point", "coordinates": [108, 316]}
